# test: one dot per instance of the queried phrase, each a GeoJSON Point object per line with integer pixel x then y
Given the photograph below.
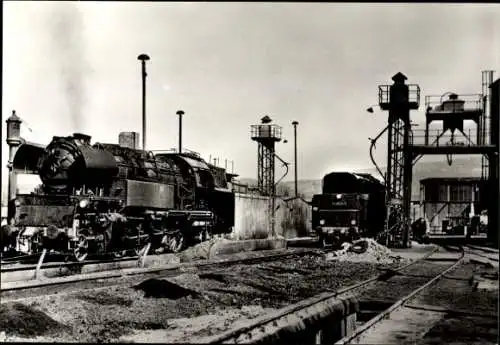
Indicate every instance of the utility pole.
{"type": "Point", "coordinates": [143, 58]}
{"type": "Point", "coordinates": [180, 113]}
{"type": "Point", "coordinates": [295, 123]}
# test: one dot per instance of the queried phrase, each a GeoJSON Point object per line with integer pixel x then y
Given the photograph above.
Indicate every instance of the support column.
{"type": "Point", "coordinates": [408, 173]}
{"type": "Point", "coordinates": [493, 205]}
{"type": "Point", "coordinates": [426, 132]}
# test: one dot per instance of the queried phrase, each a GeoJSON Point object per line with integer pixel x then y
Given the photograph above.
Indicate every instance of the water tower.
{"type": "Point", "coordinates": [266, 135]}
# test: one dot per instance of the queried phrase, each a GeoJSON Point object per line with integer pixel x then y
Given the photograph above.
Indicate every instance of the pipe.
{"type": "Point", "coordinates": [273, 196]}
{"type": "Point", "coordinates": [40, 262]}
{"type": "Point", "coordinates": [285, 164]}
{"type": "Point", "coordinates": [372, 146]}
{"type": "Point", "coordinates": [143, 58]}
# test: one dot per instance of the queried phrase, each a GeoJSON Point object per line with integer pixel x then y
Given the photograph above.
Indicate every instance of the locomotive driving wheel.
{"type": "Point", "coordinates": [173, 242]}
{"type": "Point", "coordinates": [324, 243]}
{"type": "Point", "coordinates": [139, 251]}
{"type": "Point", "coordinates": [120, 253]}
{"type": "Point", "coordinates": [36, 242]}
{"type": "Point", "coordinates": [82, 248]}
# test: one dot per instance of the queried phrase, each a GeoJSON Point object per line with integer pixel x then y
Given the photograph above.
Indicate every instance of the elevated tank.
{"type": "Point", "coordinates": [453, 104]}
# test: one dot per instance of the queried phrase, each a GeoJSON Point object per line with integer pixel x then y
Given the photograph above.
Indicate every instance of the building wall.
{"type": "Point", "coordinates": [293, 218]}
{"type": "Point", "coordinates": [453, 193]}
{"type": "Point", "coordinates": [129, 139]}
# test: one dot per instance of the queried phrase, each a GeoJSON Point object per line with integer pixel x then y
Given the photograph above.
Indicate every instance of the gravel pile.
{"type": "Point", "coordinates": [375, 253]}
{"type": "Point", "coordinates": [20, 320]}
{"type": "Point", "coordinates": [200, 251]}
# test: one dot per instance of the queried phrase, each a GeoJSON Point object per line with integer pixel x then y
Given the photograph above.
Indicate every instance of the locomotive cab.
{"type": "Point", "coordinates": [336, 218]}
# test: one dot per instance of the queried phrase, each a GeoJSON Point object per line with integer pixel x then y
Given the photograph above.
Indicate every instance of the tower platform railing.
{"type": "Point", "coordinates": [464, 103]}
{"type": "Point", "coordinates": [265, 132]}
{"type": "Point", "coordinates": [384, 96]}
{"type": "Point", "coordinates": [438, 138]}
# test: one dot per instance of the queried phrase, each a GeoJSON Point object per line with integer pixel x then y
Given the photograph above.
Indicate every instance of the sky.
{"type": "Point", "coordinates": [72, 66]}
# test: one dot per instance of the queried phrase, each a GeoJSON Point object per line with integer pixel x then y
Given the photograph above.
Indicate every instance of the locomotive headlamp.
{"type": "Point", "coordinates": [315, 208]}
{"type": "Point", "coordinates": [339, 196]}
{"type": "Point", "coordinates": [83, 203]}
{"type": "Point", "coordinates": [17, 203]}
{"type": "Point", "coordinates": [353, 222]}
{"type": "Point", "coordinates": [322, 222]}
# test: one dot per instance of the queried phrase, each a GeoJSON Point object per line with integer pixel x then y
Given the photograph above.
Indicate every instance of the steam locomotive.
{"type": "Point", "coordinates": [114, 199]}
{"type": "Point", "coordinates": [350, 205]}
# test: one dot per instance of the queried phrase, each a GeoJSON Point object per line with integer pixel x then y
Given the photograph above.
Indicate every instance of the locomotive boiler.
{"type": "Point", "coordinates": [109, 198]}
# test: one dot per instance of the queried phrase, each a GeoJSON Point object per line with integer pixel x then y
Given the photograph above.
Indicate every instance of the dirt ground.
{"type": "Point", "coordinates": [178, 309]}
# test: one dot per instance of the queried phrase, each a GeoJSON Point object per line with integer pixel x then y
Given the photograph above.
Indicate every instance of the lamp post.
{"type": "Point", "coordinates": [180, 113]}
{"type": "Point", "coordinates": [295, 123]}
{"type": "Point", "coordinates": [143, 58]}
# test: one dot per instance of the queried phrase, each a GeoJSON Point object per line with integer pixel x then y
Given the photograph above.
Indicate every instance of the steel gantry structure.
{"type": "Point", "coordinates": [406, 146]}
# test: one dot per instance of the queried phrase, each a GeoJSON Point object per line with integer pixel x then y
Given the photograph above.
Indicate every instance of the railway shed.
{"type": "Point", "coordinates": [453, 202]}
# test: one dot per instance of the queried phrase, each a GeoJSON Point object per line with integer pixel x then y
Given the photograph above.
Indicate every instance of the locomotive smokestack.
{"type": "Point", "coordinates": [143, 58]}
{"type": "Point", "coordinates": [180, 113]}
{"type": "Point", "coordinates": [83, 138]}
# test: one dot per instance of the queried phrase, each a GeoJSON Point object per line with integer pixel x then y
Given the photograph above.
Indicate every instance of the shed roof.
{"type": "Point", "coordinates": [27, 156]}
{"type": "Point", "coordinates": [451, 180]}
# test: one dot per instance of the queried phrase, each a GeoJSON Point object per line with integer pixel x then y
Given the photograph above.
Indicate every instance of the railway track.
{"type": "Point", "coordinates": [11, 291]}
{"type": "Point", "coordinates": [7, 267]}
{"type": "Point", "coordinates": [24, 272]}
{"type": "Point", "coordinates": [488, 253]}
{"type": "Point", "coordinates": [266, 327]}
{"type": "Point", "coordinates": [394, 304]}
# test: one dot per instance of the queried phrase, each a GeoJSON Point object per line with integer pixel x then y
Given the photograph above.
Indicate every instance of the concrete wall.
{"type": "Point", "coordinates": [250, 216]}
{"type": "Point", "coordinates": [293, 217]}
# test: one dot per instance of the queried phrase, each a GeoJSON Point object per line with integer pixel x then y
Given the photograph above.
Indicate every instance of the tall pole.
{"type": "Point", "coordinates": [14, 140]}
{"type": "Point", "coordinates": [295, 123]}
{"type": "Point", "coordinates": [180, 113]}
{"type": "Point", "coordinates": [143, 58]}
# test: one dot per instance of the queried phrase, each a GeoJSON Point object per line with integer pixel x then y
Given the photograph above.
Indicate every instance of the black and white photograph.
{"type": "Point", "coordinates": [250, 172]}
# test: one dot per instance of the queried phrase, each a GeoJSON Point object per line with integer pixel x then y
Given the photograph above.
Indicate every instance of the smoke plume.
{"type": "Point", "coordinates": [68, 53]}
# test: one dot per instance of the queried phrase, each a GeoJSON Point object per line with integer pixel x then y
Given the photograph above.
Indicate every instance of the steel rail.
{"type": "Point", "coordinates": [27, 267]}
{"type": "Point", "coordinates": [284, 312]}
{"type": "Point", "coordinates": [483, 255]}
{"type": "Point", "coordinates": [484, 249]}
{"type": "Point", "coordinates": [371, 323]}
{"type": "Point", "coordinates": [172, 268]}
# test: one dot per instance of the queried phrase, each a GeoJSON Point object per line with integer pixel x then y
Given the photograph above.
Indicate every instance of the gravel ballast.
{"type": "Point", "coordinates": [214, 298]}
